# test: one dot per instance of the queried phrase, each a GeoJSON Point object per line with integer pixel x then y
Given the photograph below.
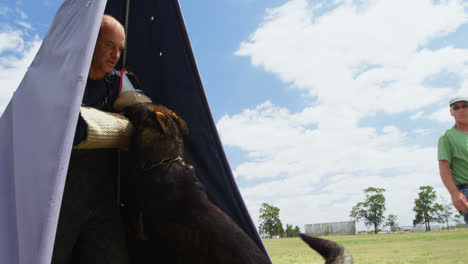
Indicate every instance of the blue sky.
{"type": "Point", "coordinates": [314, 100]}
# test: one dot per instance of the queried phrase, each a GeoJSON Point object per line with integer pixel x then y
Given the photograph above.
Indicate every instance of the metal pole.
{"type": "Point", "coordinates": [127, 11]}
{"type": "Point", "coordinates": [124, 64]}
{"type": "Point", "coordinates": [118, 178]}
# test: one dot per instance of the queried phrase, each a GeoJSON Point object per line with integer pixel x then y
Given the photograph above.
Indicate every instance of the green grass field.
{"type": "Point", "coordinates": [445, 247]}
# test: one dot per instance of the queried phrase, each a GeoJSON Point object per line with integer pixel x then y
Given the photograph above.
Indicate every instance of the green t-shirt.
{"type": "Point", "coordinates": [453, 147]}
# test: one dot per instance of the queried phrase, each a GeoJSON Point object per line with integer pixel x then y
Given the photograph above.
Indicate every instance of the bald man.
{"type": "Point", "coordinates": [90, 228]}
{"type": "Point", "coordinates": [109, 46]}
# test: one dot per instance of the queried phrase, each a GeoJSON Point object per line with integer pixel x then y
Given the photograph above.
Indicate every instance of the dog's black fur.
{"type": "Point", "coordinates": [173, 211]}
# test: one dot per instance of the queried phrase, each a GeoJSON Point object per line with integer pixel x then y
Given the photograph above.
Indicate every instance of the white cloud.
{"type": "Point", "coordinates": [18, 46]}
{"type": "Point", "coordinates": [323, 57]}
{"type": "Point", "coordinates": [14, 65]}
{"type": "Point", "coordinates": [422, 131]}
{"type": "Point", "coordinates": [357, 60]}
{"type": "Point", "coordinates": [417, 115]}
{"type": "Point", "coordinates": [21, 13]}
{"type": "Point", "coordinates": [442, 115]}
{"type": "Point", "coordinates": [24, 24]}
{"type": "Point", "coordinates": [11, 40]}
{"type": "Point", "coordinates": [295, 163]}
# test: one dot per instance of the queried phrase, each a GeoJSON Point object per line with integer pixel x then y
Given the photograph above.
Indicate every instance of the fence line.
{"type": "Point", "coordinates": [348, 227]}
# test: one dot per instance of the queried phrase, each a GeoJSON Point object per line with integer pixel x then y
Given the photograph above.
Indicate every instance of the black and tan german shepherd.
{"type": "Point", "coordinates": [172, 210]}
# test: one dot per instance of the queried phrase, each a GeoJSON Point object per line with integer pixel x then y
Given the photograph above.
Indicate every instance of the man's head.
{"type": "Point", "coordinates": [459, 109]}
{"type": "Point", "coordinates": [109, 45]}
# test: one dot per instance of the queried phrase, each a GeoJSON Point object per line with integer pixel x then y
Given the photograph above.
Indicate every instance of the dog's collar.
{"type": "Point", "coordinates": [162, 163]}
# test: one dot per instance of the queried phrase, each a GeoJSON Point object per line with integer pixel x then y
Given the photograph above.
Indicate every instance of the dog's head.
{"type": "Point", "coordinates": [157, 133]}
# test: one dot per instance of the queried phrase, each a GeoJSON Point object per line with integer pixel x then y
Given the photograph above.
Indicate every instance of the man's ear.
{"type": "Point", "coordinates": [180, 123]}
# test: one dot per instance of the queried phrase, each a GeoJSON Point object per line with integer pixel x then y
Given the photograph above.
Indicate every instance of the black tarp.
{"type": "Point", "coordinates": [159, 52]}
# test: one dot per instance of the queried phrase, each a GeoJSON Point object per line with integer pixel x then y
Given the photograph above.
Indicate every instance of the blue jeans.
{"type": "Point", "coordinates": [465, 215]}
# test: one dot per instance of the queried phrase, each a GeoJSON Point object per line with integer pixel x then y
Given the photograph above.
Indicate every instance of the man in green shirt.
{"type": "Point", "coordinates": [453, 156]}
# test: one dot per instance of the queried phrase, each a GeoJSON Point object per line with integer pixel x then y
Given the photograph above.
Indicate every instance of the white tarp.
{"type": "Point", "coordinates": [36, 134]}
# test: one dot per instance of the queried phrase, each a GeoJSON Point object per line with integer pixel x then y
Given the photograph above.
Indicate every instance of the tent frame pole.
{"type": "Point", "coordinates": [124, 64]}
{"type": "Point", "coordinates": [127, 12]}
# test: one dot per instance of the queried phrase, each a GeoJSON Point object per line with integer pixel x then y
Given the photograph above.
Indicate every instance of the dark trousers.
{"type": "Point", "coordinates": [90, 227]}
{"type": "Point", "coordinates": [464, 189]}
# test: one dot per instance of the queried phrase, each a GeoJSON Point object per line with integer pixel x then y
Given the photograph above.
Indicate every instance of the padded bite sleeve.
{"type": "Point", "coordinates": [104, 130]}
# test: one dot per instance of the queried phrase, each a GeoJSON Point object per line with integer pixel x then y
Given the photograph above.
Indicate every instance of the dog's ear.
{"type": "Point", "coordinates": [180, 123]}
{"type": "Point", "coordinates": [128, 112]}
{"type": "Point", "coordinates": [163, 121]}
{"type": "Point", "coordinates": [132, 113]}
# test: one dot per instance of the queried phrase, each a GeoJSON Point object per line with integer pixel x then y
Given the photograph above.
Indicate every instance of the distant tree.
{"type": "Point", "coordinates": [444, 214]}
{"type": "Point", "coordinates": [391, 222]}
{"type": "Point", "coordinates": [458, 218]}
{"type": "Point", "coordinates": [297, 230]}
{"type": "Point", "coordinates": [292, 232]}
{"type": "Point", "coordinates": [270, 223]}
{"type": "Point", "coordinates": [426, 208]}
{"type": "Point", "coordinates": [289, 230]}
{"type": "Point", "coordinates": [372, 209]}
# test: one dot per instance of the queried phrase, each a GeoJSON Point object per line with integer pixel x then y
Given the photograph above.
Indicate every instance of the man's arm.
{"type": "Point", "coordinates": [458, 199]}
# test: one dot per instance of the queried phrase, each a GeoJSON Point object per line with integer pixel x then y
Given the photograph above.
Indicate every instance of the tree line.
{"type": "Point", "coordinates": [372, 212]}
{"type": "Point", "coordinates": [270, 223]}
{"type": "Point", "coordinates": [426, 209]}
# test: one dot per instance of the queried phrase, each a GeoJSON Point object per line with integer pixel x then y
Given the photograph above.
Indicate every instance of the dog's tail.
{"type": "Point", "coordinates": [332, 252]}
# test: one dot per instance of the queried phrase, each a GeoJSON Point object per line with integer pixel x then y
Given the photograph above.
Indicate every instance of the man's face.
{"type": "Point", "coordinates": [109, 45]}
{"type": "Point", "coordinates": [459, 111]}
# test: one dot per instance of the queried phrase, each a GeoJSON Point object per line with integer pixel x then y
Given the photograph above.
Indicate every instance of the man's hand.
{"type": "Point", "coordinates": [460, 202]}
{"type": "Point", "coordinates": [458, 199]}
